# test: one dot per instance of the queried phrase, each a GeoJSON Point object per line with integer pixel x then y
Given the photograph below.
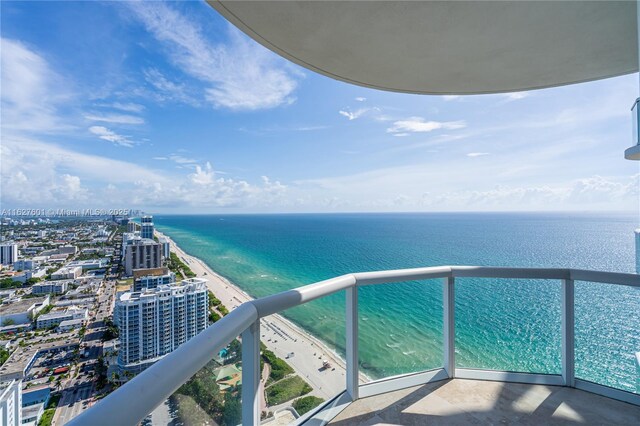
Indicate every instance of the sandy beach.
{"type": "Point", "coordinates": [279, 334]}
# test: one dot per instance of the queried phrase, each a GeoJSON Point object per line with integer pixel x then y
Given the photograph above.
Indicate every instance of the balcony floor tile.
{"type": "Point", "coordinates": [477, 402]}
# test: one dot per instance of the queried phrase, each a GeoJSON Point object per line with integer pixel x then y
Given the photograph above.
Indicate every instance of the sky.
{"type": "Point", "coordinates": [168, 108]}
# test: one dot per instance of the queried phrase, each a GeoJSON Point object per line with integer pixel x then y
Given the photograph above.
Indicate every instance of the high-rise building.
{"type": "Point", "coordinates": [152, 278]}
{"type": "Point", "coordinates": [11, 403]}
{"type": "Point", "coordinates": [156, 321]}
{"type": "Point", "coordinates": [166, 247]}
{"type": "Point", "coordinates": [146, 227]}
{"type": "Point", "coordinates": [142, 254]}
{"type": "Point", "coordinates": [8, 253]}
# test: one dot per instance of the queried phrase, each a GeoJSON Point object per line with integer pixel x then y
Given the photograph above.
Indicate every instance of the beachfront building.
{"type": "Point", "coordinates": [146, 227]}
{"type": "Point", "coordinates": [441, 48]}
{"type": "Point", "coordinates": [8, 253]}
{"type": "Point", "coordinates": [11, 403]}
{"type": "Point", "coordinates": [142, 253]}
{"type": "Point", "coordinates": [166, 246]}
{"type": "Point", "coordinates": [152, 278]}
{"type": "Point", "coordinates": [154, 322]}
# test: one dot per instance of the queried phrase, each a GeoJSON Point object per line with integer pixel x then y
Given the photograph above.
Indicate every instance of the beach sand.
{"type": "Point", "coordinates": [280, 335]}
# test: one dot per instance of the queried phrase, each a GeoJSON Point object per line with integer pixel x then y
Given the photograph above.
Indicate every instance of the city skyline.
{"type": "Point", "coordinates": [102, 107]}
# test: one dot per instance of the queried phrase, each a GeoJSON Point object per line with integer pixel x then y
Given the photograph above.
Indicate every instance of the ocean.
{"type": "Point", "coordinates": [509, 325]}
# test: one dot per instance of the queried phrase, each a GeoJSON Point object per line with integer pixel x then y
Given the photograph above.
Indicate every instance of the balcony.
{"type": "Point", "coordinates": [453, 392]}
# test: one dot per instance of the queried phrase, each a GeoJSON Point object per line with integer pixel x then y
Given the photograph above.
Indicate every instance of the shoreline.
{"type": "Point", "coordinates": [279, 334]}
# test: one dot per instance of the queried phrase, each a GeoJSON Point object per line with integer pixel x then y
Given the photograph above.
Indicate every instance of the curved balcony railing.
{"type": "Point", "coordinates": [131, 403]}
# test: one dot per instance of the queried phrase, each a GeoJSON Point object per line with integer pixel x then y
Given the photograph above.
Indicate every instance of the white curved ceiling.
{"type": "Point", "coordinates": [447, 47]}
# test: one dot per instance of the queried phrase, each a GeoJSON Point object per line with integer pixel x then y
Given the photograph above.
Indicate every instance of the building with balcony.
{"type": "Point", "coordinates": [166, 247]}
{"type": "Point", "coordinates": [146, 227]}
{"type": "Point", "coordinates": [8, 253]}
{"type": "Point", "coordinates": [154, 322]}
{"type": "Point", "coordinates": [34, 401]}
{"type": "Point", "coordinates": [142, 253]}
{"type": "Point", "coordinates": [59, 315]}
{"type": "Point", "coordinates": [51, 287]}
{"type": "Point", "coordinates": [25, 264]}
{"type": "Point", "coordinates": [11, 403]}
{"type": "Point", "coordinates": [152, 278]}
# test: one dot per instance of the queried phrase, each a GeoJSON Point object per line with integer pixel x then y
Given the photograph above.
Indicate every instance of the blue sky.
{"type": "Point", "coordinates": [168, 108]}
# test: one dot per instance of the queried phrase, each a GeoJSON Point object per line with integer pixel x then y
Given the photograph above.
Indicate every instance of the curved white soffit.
{"type": "Point", "coordinates": [447, 47]}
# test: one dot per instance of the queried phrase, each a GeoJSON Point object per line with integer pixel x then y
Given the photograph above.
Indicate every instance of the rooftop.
{"type": "Point", "coordinates": [20, 306]}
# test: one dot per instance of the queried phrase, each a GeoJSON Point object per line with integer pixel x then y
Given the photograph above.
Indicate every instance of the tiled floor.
{"type": "Point", "coordinates": [475, 402]}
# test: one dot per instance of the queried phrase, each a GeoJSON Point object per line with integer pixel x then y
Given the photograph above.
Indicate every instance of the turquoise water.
{"type": "Point", "coordinates": [500, 324]}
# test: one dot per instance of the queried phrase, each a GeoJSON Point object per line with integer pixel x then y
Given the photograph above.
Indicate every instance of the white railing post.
{"type": "Point", "coordinates": [251, 374]}
{"type": "Point", "coordinates": [352, 342]}
{"type": "Point", "coordinates": [568, 333]}
{"type": "Point", "coordinates": [448, 323]}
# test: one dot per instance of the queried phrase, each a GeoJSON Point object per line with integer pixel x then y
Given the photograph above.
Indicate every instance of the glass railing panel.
{"type": "Point", "coordinates": [304, 348]}
{"type": "Point", "coordinates": [607, 334]}
{"type": "Point", "coordinates": [211, 396]}
{"type": "Point", "coordinates": [509, 325]}
{"type": "Point", "coordinates": [396, 337]}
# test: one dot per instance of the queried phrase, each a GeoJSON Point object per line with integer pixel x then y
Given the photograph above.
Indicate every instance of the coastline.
{"type": "Point", "coordinates": [279, 334]}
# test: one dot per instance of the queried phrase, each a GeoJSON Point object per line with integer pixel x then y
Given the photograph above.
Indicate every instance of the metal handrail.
{"type": "Point", "coordinates": [132, 402]}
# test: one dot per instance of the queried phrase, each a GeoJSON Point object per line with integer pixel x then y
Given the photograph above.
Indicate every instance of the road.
{"type": "Point", "coordinates": [79, 390]}
{"type": "Point", "coordinates": [74, 400]}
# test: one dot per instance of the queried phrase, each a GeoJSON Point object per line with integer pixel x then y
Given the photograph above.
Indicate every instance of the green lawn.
{"type": "Point", "coordinates": [287, 389]}
{"type": "Point", "coordinates": [307, 403]}
{"type": "Point", "coordinates": [279, 368]}
{"type": "Point", "coordinates": [47, 416]}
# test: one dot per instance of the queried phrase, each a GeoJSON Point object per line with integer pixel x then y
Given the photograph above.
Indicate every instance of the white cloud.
{"type": "Point", "coordinates": [477, 154]}
{"type": "Point", "coordinates": [360, 99]}
{"type": "Point", "coordinates": [450, 97]}
{"type": "Point", "coordinates": [31, 91]}
{"type": "Point", "coordinates": [115, 118]}
{"type": "Point", "coordinates": [41, 173]}
{"type": "Point", "coordinates": [111, 136]}
{"type": "Point", "coordinates": [419, 125]}
{"type": "Point", "coordinates": [181, 159]}
{"type": "Point", "coordinates": [353, 115]}
{"type": "Point", "coordinates": [167, 90]}
{"type": "Point", "coordinates": [127, 107]}
{"type": "Point", "coordinates": [241, 75]}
